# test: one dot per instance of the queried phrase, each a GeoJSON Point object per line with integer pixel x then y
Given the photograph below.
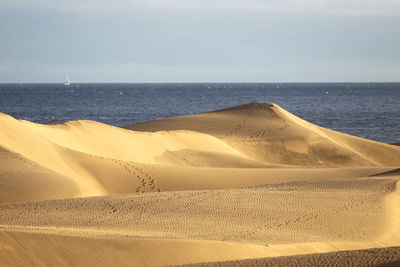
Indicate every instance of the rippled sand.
{"type": "Point", "coordinates": [252, 185]}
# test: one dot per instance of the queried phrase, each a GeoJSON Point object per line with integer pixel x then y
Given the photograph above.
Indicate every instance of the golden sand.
{"type": "Point", "coordinates": [247, 182]}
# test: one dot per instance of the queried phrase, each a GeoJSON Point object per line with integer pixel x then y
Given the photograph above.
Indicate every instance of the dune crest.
{"type": "Point", "coordinates": [249, 181]}
{"type": "Point", "coordinates": [268, 133]}
{"type": "Point", "coordinates": [254, 136]}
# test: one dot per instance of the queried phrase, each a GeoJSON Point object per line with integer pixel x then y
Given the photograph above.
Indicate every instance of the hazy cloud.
{"type": "Point", "coordinates": [333, 70]}
{"type": "Point", "coordinates": [188, 40]}
{"type": "Point", "coordinates": [273, 7]}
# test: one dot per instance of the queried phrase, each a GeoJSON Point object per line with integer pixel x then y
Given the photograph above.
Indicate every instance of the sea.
{"type": "Point", "coordinates": [368, 110]}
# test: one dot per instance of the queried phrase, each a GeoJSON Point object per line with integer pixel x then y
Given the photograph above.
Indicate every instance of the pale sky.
{"type": "Point", "coordinates": [200, 41]}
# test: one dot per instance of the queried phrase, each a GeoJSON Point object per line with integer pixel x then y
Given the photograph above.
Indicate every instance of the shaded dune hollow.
{"type": "Point", "coordinates": [246, 185]}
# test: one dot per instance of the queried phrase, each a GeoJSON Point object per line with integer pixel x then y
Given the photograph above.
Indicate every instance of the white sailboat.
{"type": "Point", "coordinates": [68, 82]}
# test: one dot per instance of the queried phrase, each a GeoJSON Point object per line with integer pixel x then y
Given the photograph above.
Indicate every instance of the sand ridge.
{"type": "Point", "coordinates": [315, 219]}
{"type": "Point", "coordinates": [266, 132]}
{"type": "Point", "coordinates": [369, 257]}
{"type": "Point", "coordinates": [250, 181]}
{"type": "Point", "coordinates": [255, 135]}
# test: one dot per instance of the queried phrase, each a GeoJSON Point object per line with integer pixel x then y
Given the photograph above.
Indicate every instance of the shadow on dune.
{"type": "Point", "coordinates": [383, 257]}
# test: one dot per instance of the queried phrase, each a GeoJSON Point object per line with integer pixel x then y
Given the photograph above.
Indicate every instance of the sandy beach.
{"type": "Point", "coordinates": [250, 185]}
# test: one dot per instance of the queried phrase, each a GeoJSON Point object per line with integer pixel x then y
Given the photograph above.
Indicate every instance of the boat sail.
{"type": "Point", "coordinates": [68, 82]}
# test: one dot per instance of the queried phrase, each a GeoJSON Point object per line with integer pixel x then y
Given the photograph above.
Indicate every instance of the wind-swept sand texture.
{"type": "Point", "coordinates": [389, 257]}
{"type": "Point", "coordinates": [247, 182]}
{"type": "Point", "coordinates": [266, 132]}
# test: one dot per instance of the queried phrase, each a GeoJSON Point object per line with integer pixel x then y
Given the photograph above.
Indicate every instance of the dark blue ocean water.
{"type": "Point", "coordinates": [369, 110]}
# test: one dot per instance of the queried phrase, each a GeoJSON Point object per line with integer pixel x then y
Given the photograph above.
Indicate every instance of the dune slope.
{"type": "Point", "coordinates": [246, 182]}
{"type": "Point", "coordinates": [266, 132]}
{"type": "Point", "coordinates": [267, 221]}
{"type": "Point", "coordinates": [98, 159]}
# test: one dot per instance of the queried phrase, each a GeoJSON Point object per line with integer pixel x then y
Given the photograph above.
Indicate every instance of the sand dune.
{"type": "Point", "coordinates": [266, 221]}
{"type": "Point", "coordinates": [368, 257]}
{"type": "Point", "coordinates": [247, 215]}
{"type": "Point", "coordinates": [27, 249]}
{"type": "Point", "coordinates": [250, 181]}
{"type": "Point", "coordinates": [24, 179]}
{"type": "Point", "coordinates": [266, 132]}
{"type": "Point", "coordinates": [257, 135]}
